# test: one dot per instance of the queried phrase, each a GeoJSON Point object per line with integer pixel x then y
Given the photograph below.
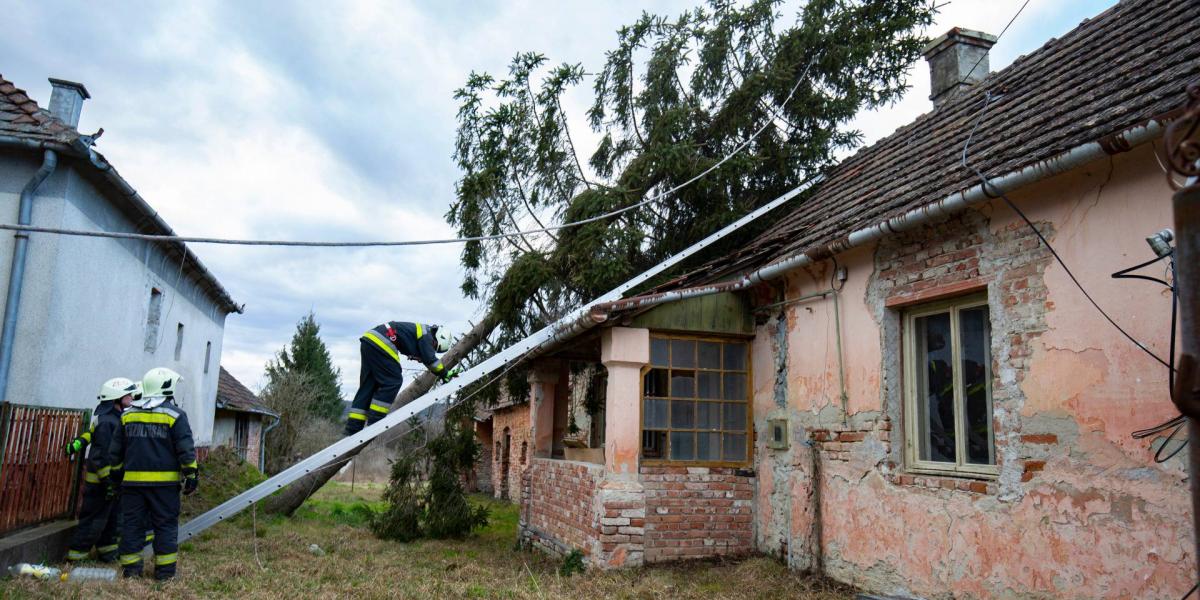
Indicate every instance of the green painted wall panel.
{"type": "Point", "coordinates": [717, 313]}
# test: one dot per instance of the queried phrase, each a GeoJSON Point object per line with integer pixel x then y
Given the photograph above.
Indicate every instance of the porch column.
{"type": "Point", "coordinates": [542, 381]}
{"type": "Point", "coordinates": [624, 351]}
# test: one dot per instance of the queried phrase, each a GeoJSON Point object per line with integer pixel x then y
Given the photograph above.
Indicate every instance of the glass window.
{"type": "Point", "coordinates": [696, 404]}
{"type": "Point", "coordinates": [948, 396]}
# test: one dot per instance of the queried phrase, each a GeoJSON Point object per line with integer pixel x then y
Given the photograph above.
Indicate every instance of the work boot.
{"type": "Point", "coordinates": [353, 426]}
{"type": "Point", "coordinates": [131, 571]}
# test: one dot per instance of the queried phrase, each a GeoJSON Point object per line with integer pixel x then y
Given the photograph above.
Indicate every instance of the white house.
{"type": "Point", "coordinates": [87, 308]}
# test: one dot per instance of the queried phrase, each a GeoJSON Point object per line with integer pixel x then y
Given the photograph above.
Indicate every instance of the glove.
{"type": "Point", "coordinates": [75, 445]}
{"type": "Point", "coordinates": [110, 488]}
{"type": "Point", "coordinates": [449, 374]}
{"type": "Point", "coordinates": [191, 480]}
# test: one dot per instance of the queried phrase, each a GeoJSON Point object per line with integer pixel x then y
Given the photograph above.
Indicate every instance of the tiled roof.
{"type": "Point", "coordinates": [232, 395]}
{"type": "Point", "coordinates": [1113, 72]}
{"type": "Point", "coordinates": [21, 117]}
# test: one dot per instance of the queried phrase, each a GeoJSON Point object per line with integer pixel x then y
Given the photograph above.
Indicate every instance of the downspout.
{"type": "Point", "coordinates": [12, 306]}
{"type": "Point", "coordinates": [262, 444]}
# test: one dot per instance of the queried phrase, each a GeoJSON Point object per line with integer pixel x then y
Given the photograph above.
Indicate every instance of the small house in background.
{"type": "Point", "coordinates": [242, 420]}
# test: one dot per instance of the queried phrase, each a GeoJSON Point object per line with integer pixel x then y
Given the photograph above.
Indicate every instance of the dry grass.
{"type": "Point", "coordinates": [222, 564]}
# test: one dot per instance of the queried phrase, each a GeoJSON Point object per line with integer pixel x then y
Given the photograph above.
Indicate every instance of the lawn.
{"type": "Point", "coordinates": [274, 561]}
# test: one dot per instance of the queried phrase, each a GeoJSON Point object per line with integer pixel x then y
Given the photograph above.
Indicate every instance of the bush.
{"type": "Point", "coordinates": [223, 475]}
{"type": "Point", "coordinates": [299, 433]}
{"type": "Point", "coordinates": [437, 508]}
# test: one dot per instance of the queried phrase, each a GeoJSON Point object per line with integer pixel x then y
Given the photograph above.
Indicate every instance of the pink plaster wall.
{"type": "Point", "coordinates": [1079, 508]}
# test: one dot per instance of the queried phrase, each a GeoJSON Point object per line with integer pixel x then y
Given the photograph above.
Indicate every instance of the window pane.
{"type": "Point", "coordinates": [683, 445]}
{"type": "Point", "coordinates": [683, 384]}
{"type": "Point", "coordinates": [708, 384]}
{"type": "Point", "coordinates": [708, 415]}
{"type": "Point", "coordinates": [653, 443]}
{"type": "Point", "coordinates": [683, 353]}
{"type": "Point", "coordinates": [710, 355]}
{"type": "Point", "coordinates": [708, 446]}
{"type": "Point", "coordinates": [935, 387]}
{"type": "Point", "coordinates": [975, 335]}
{"type": "Point", "coordinates": [734, 418]}
{"type": "Point", "coordinates": [683, 414]}
{"type": "Point", "coordinates": [658, 352]}
{"type": "Point", "coordinates": [655, 414]}
{"type": "Point", "coordinates": [735, 357]}
{"type": "Point", "coordinates": [735, 386]}
{"type": "Point", "coordinates": [735, 446]}
{"type": "Point", "coordinates": [655, 383]}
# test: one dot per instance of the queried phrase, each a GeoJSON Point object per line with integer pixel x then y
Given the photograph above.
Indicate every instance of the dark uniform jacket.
{"type": "Point", "coordinates": [106, 420]}
{"type": "Point", "coordinates": [154, 444]}
{"type": "Point", "coordinates": [413, 340]}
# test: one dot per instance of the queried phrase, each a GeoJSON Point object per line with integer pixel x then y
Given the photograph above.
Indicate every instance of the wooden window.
{"type": "Point", "coordinates": [948, 388]}
{"type": "Point", "coordinates": [696, 401]}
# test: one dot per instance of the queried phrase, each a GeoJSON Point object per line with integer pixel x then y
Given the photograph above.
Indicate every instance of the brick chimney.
{"type": "Point", "coordinates": [952, 62]}
{"type": "Point", "coordinates": [66, 100]}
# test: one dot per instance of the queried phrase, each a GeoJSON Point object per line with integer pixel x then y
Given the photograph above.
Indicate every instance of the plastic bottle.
{"type": "Point", "coordinates": [90, 574]}
{"type": "Point", "coordinates": [34, 571]}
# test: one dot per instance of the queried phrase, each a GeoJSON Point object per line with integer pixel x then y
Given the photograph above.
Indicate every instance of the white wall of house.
{"type": "Point", "coordinates": [86, 304]}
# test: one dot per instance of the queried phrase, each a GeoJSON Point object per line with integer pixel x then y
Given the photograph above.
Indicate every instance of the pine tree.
{"type": "Point", "coordinates": [307, 354]}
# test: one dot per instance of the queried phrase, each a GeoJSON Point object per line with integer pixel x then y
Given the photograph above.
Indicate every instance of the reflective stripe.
{"type": "Point", "coordinates": [391, 350]}
{"type": "Point", "coordinates": [77, 555]}
{"type": "Point", "coordinates": [383, 408]}
{"type": "Point", "coordinates": [438, 367]}
{"type": "Point", "coordinates": [420, 332]}
{"type": "Point", "coordinates": [107, 549]}
{"type": "Point", "coordinates": [150, 537]}
{"type": "Point", "coordinates": [104, 471]}
{"type": "Point", "coordinates": [152, 476]}
{"type": "Point", "coordinates": [131, 559]}
{"type": "Point", "coordinates": [91, 477]}
{"type": "Point", "coordinates": [148, 417]}
{"type": "Point", "coordinates": [191, 465]}
{"type": "Point", "coordinates": [118, 466]}
{"type": "Point", "coordinates": [87, 435]}
{"type": "Point", "coordinates": [166, 559]}
{"type": "Point", "coordinates": [358, 416]}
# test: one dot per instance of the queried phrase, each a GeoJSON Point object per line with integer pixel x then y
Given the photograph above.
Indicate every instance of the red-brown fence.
{"type": "Point", "coordinates": [37, 480]}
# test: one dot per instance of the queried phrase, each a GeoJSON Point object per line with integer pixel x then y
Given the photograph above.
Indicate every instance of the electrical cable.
{"type": "Point", "coordinates": [1177, 422]}
{"type": "Point", "coordinates": [1190, 592]}
{"type": "Point", "coordinates": [1002, 32]}
{"type": "Point", "coordinates": [988, 191]}
{"type": "Point", "coordinates": [479, 238]}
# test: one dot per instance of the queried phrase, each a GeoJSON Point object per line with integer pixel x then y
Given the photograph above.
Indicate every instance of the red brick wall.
{"type": "Point", "coordinates": [558, 511]}
{"type": "Point", "coordinates": [507, 485]}
{"type": "Point", "coordinates": [696, 512]}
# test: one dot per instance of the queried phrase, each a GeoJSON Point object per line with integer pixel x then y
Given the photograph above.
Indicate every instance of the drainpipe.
{"type": "Point", "coordinates": [262, 444]}
{"type": "Point", "coordinates": [16, 277]}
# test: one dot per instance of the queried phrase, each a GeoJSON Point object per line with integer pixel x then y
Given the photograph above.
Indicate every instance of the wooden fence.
{"type": "Point", "coordinates": [38, 482]}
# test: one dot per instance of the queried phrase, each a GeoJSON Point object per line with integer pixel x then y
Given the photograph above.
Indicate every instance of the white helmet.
{"type": "Point", "coordinates": [160, 382]}
{"type": "Point", "coordinates": [117, 388]}
{"type": "Point", "coordinates": [444, 339]}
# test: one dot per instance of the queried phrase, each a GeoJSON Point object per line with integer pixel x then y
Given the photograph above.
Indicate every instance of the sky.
{"type": "Point", "coordinates": [336, 121]}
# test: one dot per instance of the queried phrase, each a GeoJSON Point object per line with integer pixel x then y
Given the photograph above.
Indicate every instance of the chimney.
{"type": "Point", "coordinates": [952, 62]}
{"type": "Point", "coordinates": [66, 101]}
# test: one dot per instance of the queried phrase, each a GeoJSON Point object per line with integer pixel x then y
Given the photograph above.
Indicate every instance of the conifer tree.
{"type": "Point", "coordinates": [307, 354]}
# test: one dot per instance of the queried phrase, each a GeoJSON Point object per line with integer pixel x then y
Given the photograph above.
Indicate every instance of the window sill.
{"type": "Point", "coordinates": [979, 484]}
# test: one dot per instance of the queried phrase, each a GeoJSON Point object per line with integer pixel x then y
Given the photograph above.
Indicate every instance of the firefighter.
{"type": "Point", "coordinates": [155, 446]}
{"type": "Point", "coordinates": [98, 515]}
{"type": "Point", "coordinates": [381, 376]}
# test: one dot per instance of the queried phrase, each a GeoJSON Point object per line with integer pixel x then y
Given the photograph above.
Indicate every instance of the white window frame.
{"type": "Point", "coordinates": [912, 420]}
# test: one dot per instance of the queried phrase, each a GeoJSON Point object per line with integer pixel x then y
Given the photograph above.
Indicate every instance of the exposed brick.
{"type": "Point", "coordinates": [1034, 465]}
{"type": "Point", "coordinates": [1039, 438]}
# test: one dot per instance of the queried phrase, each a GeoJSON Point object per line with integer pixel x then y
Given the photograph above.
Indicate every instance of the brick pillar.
{"type": "Point", "coordinates": [542, 381]}
{"type": "Point", "coordinates": [620, 503]}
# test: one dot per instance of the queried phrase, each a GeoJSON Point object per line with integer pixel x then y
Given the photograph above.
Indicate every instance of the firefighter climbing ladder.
{"type": "Point", "coordinates": [561, 329]}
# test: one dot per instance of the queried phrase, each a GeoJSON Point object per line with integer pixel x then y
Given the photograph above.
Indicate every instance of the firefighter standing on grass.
{"type": "Point", "coordinates": [155, 445]}
{"type": "Point", "coordinates": [381, 376]}
{"type": "Point", "coordinates": [98, 515]}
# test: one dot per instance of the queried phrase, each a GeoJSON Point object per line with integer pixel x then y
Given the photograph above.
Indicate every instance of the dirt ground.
{"type": "Point", "coordinates": [274, 561]}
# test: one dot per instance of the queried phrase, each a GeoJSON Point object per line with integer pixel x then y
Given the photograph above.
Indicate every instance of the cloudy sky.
{"type": "Point", "coordinates": [335, 121]}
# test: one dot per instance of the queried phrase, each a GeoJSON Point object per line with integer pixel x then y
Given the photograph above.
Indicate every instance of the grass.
{"type": "Point", "coordinates": [225, 563]}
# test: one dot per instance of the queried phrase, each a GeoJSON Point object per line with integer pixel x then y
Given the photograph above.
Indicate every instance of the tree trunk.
{"type": "Point", "coordinates": [287, 500]}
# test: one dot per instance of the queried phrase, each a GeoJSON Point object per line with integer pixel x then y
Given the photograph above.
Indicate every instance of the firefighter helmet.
{"type": "Point", "coordinates": [443, 339]}
{"type": "Point", "coordinates": [160, 382]}
{"type": "Point", "coordinates": [117, 388]}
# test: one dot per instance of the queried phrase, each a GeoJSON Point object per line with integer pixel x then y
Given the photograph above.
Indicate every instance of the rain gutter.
{"type": "Point", "coordinates": [956, 202]}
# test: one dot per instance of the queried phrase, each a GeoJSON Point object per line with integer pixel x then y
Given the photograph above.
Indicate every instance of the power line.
{"type": "Point", "coordinates": [479, 238]}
